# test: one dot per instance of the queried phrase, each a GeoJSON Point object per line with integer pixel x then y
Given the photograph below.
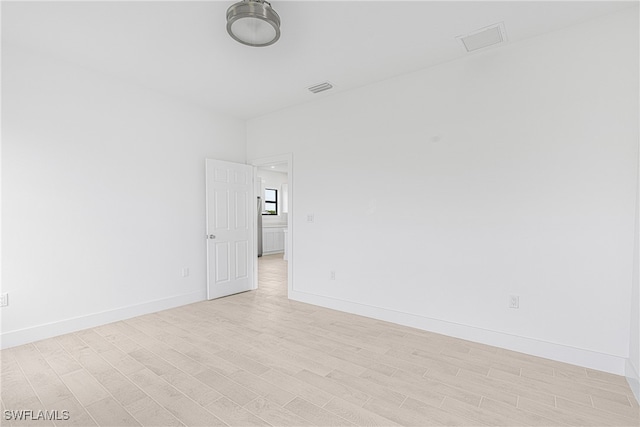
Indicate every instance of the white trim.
{"type": "Point", "coordinates": [281, 158]}
{"type": "Point", "coordinates": [633, 378]}
{"type": "Point", "coordinates": [48, 330]}
{"type": "Point", "coordinates": [279, 251]}
{"type": "Point", "coordinates": [563, 353]}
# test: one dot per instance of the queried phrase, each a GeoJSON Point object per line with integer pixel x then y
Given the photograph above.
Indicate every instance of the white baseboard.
{"type": "Point", "coordinates": [273, 252]}
{"type": "Point", "coordinates": [590, 359]}
{"type": "Point", "coordinates": [576, 356]}
{"type": "Point", "coordinates": [633, 378]}
{"type": "Point", "coordinates": [48, 330]}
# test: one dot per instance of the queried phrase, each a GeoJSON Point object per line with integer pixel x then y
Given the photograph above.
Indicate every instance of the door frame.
{"type": "Point", "coordinates": [264, 161]}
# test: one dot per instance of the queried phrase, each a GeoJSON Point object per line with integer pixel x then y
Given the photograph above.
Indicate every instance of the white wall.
{"type": "Point", "coordinates": [103, 197]}
{"type": "Point", "coordinates": [509, 172]}
{"type": "Point", "coordinates": [273, 179]}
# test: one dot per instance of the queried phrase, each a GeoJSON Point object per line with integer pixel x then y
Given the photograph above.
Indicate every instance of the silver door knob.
{"type": "Point", "coordinates": [211, 236]}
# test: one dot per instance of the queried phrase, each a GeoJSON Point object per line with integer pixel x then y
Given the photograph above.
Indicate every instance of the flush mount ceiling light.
{"type": "Point", "coordinates": [253, 23]}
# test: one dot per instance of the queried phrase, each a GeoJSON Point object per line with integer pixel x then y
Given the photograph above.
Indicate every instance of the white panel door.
{"type": "Point", "coordinates": [230, 209]}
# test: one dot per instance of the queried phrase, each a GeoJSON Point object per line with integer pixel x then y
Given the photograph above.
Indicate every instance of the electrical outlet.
{"type": "Point", "coordinates": [332, 276]}
{"type": "Point", "coordinates": [185, 272]}
{"type": "Point", "coordinates": [310, 217]}
{"type": "Point", "coordinates": [4, 300]}
{"type": "Point", "coordinates": [514, 301]}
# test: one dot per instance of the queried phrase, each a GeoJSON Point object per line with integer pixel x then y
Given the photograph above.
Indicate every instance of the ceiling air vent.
{"type": "Point", "coordinates": [484, 37]}
{"type": "Point", "coordinates": [320, 87]}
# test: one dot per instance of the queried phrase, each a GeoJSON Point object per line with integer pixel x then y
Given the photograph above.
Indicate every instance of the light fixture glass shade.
{"type": "Point", "coordinates": [253, 23]}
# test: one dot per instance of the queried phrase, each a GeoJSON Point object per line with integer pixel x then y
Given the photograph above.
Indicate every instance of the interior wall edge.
{"type": "Point", "coordinates": [633, 378]}
{"type": "Point", "coordinates": [558, 352]}
{"type": "Point", "coordinates": [35, 333]}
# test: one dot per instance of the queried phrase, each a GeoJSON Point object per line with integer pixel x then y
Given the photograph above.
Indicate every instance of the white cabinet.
{"type": "Point", "coordinates": [272, 240]}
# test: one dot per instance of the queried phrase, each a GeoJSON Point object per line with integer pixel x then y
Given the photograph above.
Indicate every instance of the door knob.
{"type": "Point", "coordinates": [211, 236]}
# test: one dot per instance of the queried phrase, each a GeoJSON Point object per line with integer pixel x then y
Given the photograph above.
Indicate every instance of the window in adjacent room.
{"type": "Point", "coordinates": [270, 201]}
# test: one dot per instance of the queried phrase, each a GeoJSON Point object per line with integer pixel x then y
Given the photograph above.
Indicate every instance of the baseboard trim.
{"type": "Point", "coordinates": [48, 330]}
{"type": "Point", "coordinates": [633, 378]}
{"type": "Point", "coordinates": [272, 252]}
{"type": "Point", "coordinates": [562, 353]}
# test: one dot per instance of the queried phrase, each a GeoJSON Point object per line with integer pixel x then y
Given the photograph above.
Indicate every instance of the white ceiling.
{"type": "Point", "coordinates": [181, 48]}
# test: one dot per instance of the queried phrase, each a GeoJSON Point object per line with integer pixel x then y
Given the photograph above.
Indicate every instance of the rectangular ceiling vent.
{"type": "Point", "coordinates": [320, 87]}
{"type": "Point", "coordinates": [489, 36]}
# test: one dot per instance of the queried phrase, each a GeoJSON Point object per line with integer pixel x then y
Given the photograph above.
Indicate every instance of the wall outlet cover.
{"type": "Point", "coordinates": [514, 301]}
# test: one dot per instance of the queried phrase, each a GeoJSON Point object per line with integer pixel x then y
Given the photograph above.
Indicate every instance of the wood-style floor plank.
{"type": "Point", "coordinates": [259, 359]}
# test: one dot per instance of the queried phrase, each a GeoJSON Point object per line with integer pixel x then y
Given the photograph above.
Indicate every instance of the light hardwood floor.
{"type": "Point", "coordinates": [259, 359]}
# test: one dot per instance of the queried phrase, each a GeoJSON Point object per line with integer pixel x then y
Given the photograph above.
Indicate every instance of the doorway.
{"type": "Point", "coordinates": [274, 228]}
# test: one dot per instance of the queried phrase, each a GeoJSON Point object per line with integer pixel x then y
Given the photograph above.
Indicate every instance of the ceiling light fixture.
{"type": "Point", "coordinates": [253, 23]}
